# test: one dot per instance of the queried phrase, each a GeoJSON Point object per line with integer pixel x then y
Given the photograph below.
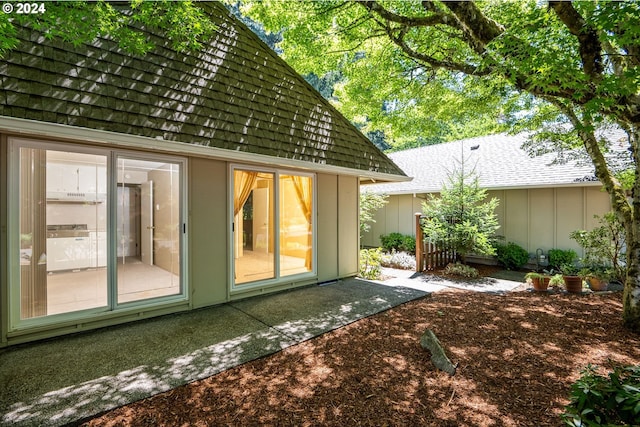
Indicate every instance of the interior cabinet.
{"type": "Point", "coordinates": [75, 179]}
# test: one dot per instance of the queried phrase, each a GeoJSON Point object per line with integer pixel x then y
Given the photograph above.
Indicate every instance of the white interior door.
{"type": "Point", "coordinates": [146, 222]}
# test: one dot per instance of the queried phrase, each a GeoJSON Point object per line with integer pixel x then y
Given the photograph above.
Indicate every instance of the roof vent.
{"type": "Point", "coordinates": [475, 147]}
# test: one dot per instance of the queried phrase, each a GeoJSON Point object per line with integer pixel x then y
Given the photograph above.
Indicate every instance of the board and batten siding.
{"type": "Point", "coordinates": [536, 218]}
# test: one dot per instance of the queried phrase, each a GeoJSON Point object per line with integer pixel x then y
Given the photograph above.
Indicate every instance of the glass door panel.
{"type": "Point", "coordinates": [148, 229]}
{"type": "Point", "coordinates": [63, 224]}
{"type": "Point", "coordinates": [296, 237]}
{"type": "Point", "coordinates": [254, 226]}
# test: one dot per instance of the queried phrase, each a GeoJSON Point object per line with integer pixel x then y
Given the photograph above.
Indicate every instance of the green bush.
{"type": "Point", "coordinates": [597, 400]}
{"type": "Point", "coordinates": [561, 257]}
{"type": "Point", "coordinates": [463, 270]}
{"type": "Point", "coordinates": [370, 261]}
{"type": "Point", "coordinates": [511, 255]}
{"type": "Point", "coordinates": [398, 242]}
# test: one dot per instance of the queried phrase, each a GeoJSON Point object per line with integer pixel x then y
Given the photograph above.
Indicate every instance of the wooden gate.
{"type": "Point", "coordinates": [428, 255]}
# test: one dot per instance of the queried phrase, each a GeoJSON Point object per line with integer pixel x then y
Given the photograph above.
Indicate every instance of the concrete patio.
{"type": "Point", "coordinates": [64, 380]}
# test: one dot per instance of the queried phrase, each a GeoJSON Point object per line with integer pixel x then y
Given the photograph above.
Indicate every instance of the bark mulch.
{"type": "Point", "coordinates": [517, 355]}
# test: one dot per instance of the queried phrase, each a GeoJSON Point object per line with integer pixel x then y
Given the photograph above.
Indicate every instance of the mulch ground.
{"type": "Point", "coordinates": [517, 355]}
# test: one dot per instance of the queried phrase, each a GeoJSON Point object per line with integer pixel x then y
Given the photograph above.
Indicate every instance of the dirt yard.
{"type": "Point", "coordinates": [517, 356]}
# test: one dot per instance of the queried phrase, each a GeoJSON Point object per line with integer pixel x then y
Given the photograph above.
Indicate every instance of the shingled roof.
{"type": "Point", "coordinates": [234, 94]}
{"type": "Point", "coordinates": [498, 160]}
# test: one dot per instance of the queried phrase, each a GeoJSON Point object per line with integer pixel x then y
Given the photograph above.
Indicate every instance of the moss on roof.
{"type": "Point", "coordinates": [235, 94]}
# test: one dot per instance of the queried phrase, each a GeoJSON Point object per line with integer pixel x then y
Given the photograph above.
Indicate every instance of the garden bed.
{"type": "Point", "coordinates": [517, 356]}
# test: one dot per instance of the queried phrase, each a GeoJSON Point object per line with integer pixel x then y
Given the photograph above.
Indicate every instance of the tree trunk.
{"type": "Point", "coordinates": [631, 296]}
{"type": "Point", "coordinates": [626, 211]}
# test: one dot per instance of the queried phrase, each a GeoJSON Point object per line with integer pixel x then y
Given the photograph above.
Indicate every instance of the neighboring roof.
{"type": "Point", "coordinates": [234, 94]}
{"type": "Point", "coordinates": [498, 160]}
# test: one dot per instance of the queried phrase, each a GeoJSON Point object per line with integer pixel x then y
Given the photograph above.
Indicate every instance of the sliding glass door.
{"type": "Point", "coordinates": [97, 230]}
{"type": "Point", "coordinates": [147, 228]}
{"type": "Point", "coordinates": [62, 206]}
{"type": "Point", "coordinates": [273, 222]}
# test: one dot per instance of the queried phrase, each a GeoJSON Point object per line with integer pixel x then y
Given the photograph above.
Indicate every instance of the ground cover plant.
{"type": "Point", "coordinates": [518, 355]}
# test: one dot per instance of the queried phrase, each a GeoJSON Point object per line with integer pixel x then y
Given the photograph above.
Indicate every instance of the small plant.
{"type": "Point", "coordinates": [556, 281]}
{"type": "Point", "coordinates": [511, 255]}
{"type": "Point", "coordinates": [534, 275]}
{"type": "Point", "coordinates": [402, 260]}
{"type": "Point", "coordinates": [370, 261]}
{"type": "Point", "coordinates": [597, 400]}
{"type": "Point", "coordinates": [560, 257]}
{"type": "Point", "coordinates": [463, 270]}
{"type": "Point", "coordinates": [398, 242]}
{"type": "Point", "coordinates": [569, 270]}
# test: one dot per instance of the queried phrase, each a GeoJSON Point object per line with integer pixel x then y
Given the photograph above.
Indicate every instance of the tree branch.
{"type": "Point", "coordinates": [590, 48]}
{"type": "Point", "coordinates": [480, 29]}
{"type": "Point", "coordinates": [431, 61]}
{"type": "Point", "coordinates": [415, 21]}
{"type": "Point", "coordinates": [603, 173]}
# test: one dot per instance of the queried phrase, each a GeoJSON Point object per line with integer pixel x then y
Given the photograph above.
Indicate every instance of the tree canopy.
{"type": "Point", "coordinates": [77, 22]}
{"type": "Point", "coordinates": [383, 90]}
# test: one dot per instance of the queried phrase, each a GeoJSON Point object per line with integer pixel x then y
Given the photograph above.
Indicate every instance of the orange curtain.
{"type": "Point", "coordinates": [304, 190]}
{"type": "Point", "coordinates": [243, 183]}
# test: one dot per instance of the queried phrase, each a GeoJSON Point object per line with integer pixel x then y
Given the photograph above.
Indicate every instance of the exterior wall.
{"type": "Point", "coordinates": [337, 231]}
{"type": "Point", "coordinates": [208, 263]}
{"type": "Point", "coordinates": [347, 216]}
{"type": "Point", "coordinates": [4, 273]}
{"type": "Point", "coordinates": [398, 215]}
{"type": "Point", "coordinates": [207, 256]}
{"type": "Point", "coordinates": [327, 227]}
{"type": "Point", "coordinates": [539, 218]}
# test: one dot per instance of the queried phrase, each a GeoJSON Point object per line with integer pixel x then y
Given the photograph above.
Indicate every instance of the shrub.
{"type": "Point", "coordinates": [561, 257]}
{"type": "Point", "coordinates": [511, 255]}
{"type": "Point", "coordinates": [598, 400]}
{"type": "Point", "coordinates": [604, 246]}
{"type": "Point", "coordinates": [463, 270]}
{"type": "Point", "coordinates": [401, 260]}
{"type": "Point", "coordinates": [370, 260]}
{"type": "Point", "coordinates": [398, 242]}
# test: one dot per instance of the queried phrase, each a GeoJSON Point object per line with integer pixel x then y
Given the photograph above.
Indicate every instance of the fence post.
{"type": "Point", "coordinates": [419, 244]}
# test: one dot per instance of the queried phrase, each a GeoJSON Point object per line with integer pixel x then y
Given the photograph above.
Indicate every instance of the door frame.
{"type": "Point", "coordinates": [232, 229]}
{"type": "Point", "coordinates": [15, 323]}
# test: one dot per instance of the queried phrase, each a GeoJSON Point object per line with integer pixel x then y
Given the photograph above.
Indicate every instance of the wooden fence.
{"type": "Point", "coordinates": [428, 255]}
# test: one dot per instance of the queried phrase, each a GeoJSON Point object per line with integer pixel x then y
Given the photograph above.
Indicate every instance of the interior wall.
{"type": "Point", "coordinates": [166, 211]}
{"type": "Point", "coordinates": [207, 226]}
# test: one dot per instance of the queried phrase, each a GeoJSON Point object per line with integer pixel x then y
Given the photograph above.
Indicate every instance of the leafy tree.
{"type": "Point", "coordinates": [461, 217]}
{"type": "Point", "coordinates": [568, 68]}
{"type": "Point", "coordinates": [369, 204]}
{"type": "Point", "coordinates": [77, 22]}
{"type": "Point", "coordinates": [381, 90]}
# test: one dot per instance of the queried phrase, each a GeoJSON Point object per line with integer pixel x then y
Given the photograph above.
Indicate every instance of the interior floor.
{"type": "Point", "coordinates": [254, 265]}
{"type": "Point", "coordinates": [84, 289]}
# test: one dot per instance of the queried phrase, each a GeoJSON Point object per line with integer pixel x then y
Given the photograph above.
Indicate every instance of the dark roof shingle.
{"type": "Point", "coordinates": [234, 94]}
